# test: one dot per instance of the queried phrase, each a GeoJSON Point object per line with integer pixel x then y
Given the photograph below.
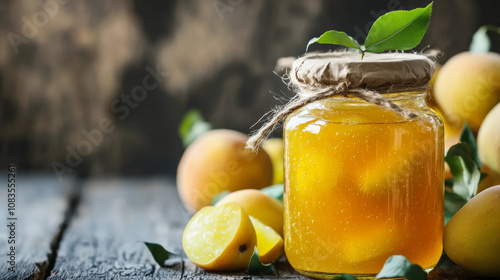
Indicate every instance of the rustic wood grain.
{"type": "Point", "coordinates": [102, 240]}
{"type": "Point", "coordinates": [283, 271]}
{"type": "Point", "coordinates": [101, 233]}
{"type": "Point", "coordinates": [41, 204]}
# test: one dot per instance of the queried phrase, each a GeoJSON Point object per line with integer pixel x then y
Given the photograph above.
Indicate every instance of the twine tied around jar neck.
{"type": "Point", "coordinates": [322, 76]}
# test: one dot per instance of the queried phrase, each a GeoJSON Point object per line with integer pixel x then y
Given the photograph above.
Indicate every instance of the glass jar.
{"type": "Point", "coordinates": [362, 183]}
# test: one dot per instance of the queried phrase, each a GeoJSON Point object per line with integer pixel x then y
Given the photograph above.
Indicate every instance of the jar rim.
{"type": "Point", "coordinates": [393, 96]}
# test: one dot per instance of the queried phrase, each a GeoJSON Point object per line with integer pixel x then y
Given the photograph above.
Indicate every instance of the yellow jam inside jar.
{"type": "Point", "coordinates": [362, 183]}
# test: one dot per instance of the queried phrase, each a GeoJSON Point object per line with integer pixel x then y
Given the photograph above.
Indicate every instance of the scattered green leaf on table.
{"type": "Point", "coordinates": [256, 267]}
{"type": "Point", "coordinates": [159, 253]}
{"type": "Point", "coordinates": [399, 267]}
{"type": "Point", "coordinates": [192, 126]}
{"type": "Point", "coordinates": [275, 191]}
{"type": "Point", "coordinates": [345, 276]}
{"type": "Point", "coordinates": [335, 38]}
{"type": "Point", "coordinates": [398, 30]}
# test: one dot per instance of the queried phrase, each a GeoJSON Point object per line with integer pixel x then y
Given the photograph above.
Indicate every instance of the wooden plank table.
{"type": "Point", "coordinates": [41, 209]}
{"type": "Point", "coordinates": [93, 230]}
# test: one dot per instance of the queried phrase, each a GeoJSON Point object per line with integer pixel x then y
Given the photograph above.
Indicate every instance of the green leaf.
{"type": "Point", "coordinates": [448, 182]}
{"type": "Point", "coordinates": [220, 196]}
{"type": "Point", "coordinates": [452, 203]}
{"type": "Point", "coordinates": [256, 267]}
{"type": "Point", "coordinates": [466, 173]}
{"type": "Point", "coordinates": [399, 267]}
{"type": "Point", "coordinates": [335, 38]}
{"type": "Point", "coordinates": [192, 126]}
{"type": "Point", "coordinates": [483, 175]}
{"type": "Point", "coordinates": [275, 191]}
{"type": "Point", "coordinates": [398, 30]}
{"type": "Point", "coordinates": [468, 137]}
{"type": "Point", "coordinates": [445, 262]}
{"type": "Point", "coordinates": [345, 276]}
{"type": "Point", "coordinates": [159, 253]}
{"type": "Point", "coordinates": [480, 41]}
{"type": "Point", "coordinates": [465, 167]}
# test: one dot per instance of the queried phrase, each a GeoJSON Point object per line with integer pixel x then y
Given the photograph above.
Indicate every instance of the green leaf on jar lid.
{"type": "Point", "coordinates": [398, 30]}
{"type": "Point", "coordinates": [335, 38]}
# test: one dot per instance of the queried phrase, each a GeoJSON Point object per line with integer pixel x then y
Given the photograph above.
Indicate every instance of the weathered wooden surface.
{"type": "Point", "coordinates": [41, 204]}
{"type": "Point", "coordinates": [103, 238]}
{"type": "Point", "coordinates": [95, 232]}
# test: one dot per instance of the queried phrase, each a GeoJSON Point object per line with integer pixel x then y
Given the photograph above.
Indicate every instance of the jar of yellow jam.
{"type": "Point", "coordinates": [363, 181]}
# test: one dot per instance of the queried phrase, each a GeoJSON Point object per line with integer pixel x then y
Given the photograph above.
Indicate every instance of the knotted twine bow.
{"type": "Point", "coordinates": [308, 93]}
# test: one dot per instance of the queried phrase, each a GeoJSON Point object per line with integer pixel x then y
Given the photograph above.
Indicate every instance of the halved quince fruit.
{"type": "Point", "coordinates": [269, 242]}
{"type": "Point", "coordinates": [258, 205]}
{"type": "Point", "coordinates": [220, 238]}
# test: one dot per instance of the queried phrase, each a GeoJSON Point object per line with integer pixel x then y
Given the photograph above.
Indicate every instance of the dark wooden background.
{"type": "Point", "coordinates": [67, 70]}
